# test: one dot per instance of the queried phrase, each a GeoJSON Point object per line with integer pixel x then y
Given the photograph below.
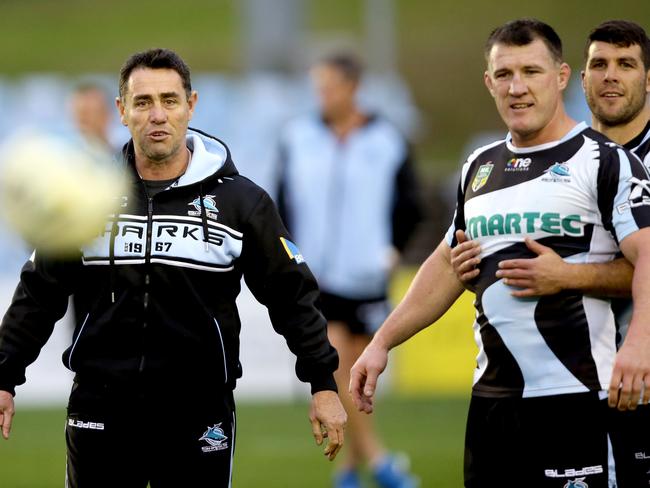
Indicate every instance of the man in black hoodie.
{"type": "Point", "coordinates": [156, 347]}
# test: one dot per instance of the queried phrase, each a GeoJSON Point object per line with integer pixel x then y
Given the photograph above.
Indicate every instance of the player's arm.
{"type": "Point", "coordinates": [434, 289]}
{"type": "Point", "coordinates": [40, 300]}
{"type": "Point", "coordinates": [547, 273]}
{"type": "Point", "coordinates": [280, 279]}
{"type": "Point", "coordinates": [631, 374]}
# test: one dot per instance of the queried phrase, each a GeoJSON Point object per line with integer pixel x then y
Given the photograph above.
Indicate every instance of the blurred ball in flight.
{"type": "Point", "coordinates": [57, 194]}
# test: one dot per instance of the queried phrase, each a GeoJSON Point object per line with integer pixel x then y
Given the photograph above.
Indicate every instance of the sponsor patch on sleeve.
{"type": "Point", "coordinates": [292, 250]}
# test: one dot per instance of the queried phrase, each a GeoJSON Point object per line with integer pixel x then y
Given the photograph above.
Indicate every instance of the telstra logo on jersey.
{"type": "Point", "coordinates": [482, 175]}
{"type": "Point", "coordinates": [518, 164]}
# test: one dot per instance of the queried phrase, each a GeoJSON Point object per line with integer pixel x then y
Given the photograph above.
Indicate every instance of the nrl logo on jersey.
{"type": "Point", "coordinates": [639, 195]}
{"type": "Point", "coordinates": [211, 209]}
{"type": "Point", "coordinates": [557, 172]}
{"type": "Point", "coordinates": [482, 176]}
{"type": "Point", "coordinates": [216, 439]}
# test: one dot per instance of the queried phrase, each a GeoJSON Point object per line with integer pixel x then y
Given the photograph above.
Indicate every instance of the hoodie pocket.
{"type": "Point", "coordinates": [223, 349]}
{"type": "Point", "coordinates": [76, 342]}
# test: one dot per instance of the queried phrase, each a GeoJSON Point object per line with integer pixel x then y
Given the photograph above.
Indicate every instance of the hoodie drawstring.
{"type": "Point", "coordinates": [204, 217]}
{"type": "Point", "coordinates": [111, 256]}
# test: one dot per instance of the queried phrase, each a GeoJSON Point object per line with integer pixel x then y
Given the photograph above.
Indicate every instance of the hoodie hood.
{"type": "Point", "coordinates": [210, 158]}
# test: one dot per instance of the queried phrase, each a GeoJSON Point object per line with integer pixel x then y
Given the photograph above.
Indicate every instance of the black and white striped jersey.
{"type": "Point", "coordinates": [640, 145]}
{"type": "Point", "coordinates": [580, 195]}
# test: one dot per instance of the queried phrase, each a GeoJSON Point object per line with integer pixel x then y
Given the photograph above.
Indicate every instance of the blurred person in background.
{"type": "Point", "coordinates": [156, 355]}
{"type": "Point", "coordinates": [348, 195]}
{"type": "Point", "coordinates": [92, 113]}
{"type": "Point", "coordinates": [616, 83]}
{"type": "Point", "coordinates": [548, 367]}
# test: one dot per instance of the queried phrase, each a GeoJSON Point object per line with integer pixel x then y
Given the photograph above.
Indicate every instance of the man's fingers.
{"type": "Point", "coordinates": [470, 275]}
{"type": "Point", "coordinates": [5, 421]}
{"type": "Point", "coordinates": [535, 246]}
{"type": "Point", "coordinates": [514, 264]}
{"type": "Point", "coordinates": [614, 385]}
{"type": "Point", "coordinates": [646, 391]}
{"type": "Point", "coordinates": [317, 431]}
{"type": "Point", "coordinates": [625, 394]}
{"type": "Point", "coordinates": [335, 443]}
{"type": "Point", "coordinates": [370, 383]}
{"type": "Point", "coordinates": [525, 293]}
{"type": "Point", "coordinates": [461, 236]}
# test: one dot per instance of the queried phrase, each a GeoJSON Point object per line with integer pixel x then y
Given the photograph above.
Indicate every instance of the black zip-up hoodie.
{"type": "Point", "coordinates": [155, 293]}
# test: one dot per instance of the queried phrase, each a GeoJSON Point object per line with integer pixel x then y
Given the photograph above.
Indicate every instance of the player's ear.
{"type": "Point", "coordinates": [488, 82]}
{"type": "Point", "coordinates": [120, 109]}
{"type": "Point", "coordinates": [191, 101]}
{"type": "Point", "coordinates": [647, 81]}
{"type": "Point", "coordinates": [582, 78]}
{"type": "Point", "coordinates": [564, 75]}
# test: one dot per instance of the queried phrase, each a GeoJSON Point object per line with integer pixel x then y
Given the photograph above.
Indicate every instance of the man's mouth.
{"type": "Point", "coordinates": [611, 95]}
{"type": "Point", "coordinates": [520, 106]}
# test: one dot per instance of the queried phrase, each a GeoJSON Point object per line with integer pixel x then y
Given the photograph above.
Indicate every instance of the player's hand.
{"type": "Point", "coordinates": [328, 419]}
{"type": "Point", "coordinates": [364, 374]}
{"type": "Point", "coordinates": [6, 412]}
{"type": "Point", "coordinates": [465, 258]}
{"type": "Point", "coordinates": [631, 374]}
{"type": "Point", "coordinates": [537, 276]}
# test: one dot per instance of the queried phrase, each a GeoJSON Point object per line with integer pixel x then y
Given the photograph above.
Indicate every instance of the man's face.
{"type": "Point", "coordinates": [156, 111]}
{"type": "Point", "coordinates": [91, 113]}
{"type": "Point", "coordinates": [615, 82]}
{"type": "Point", "coordinates": [336, 93]}
{"type": "Point", "coordinates": [526, 83]}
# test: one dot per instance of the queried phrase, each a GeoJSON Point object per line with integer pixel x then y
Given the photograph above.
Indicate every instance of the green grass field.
{"type": "Point", "coordinates": [274, 444]}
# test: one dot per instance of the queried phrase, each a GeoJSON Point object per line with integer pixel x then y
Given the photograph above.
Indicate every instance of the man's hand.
{"type": "Point", "coordinates": [364, 374]}
{"type": "Point", "coordinates": [6, 412]}
{"type": "Point", "coordinates": [465, 258]}
{"type": "Point", "coordinates": [631, 374]}
{"type": "Point", "coordinates": [328, 419]}
{"type": "Point", "coordinates": [542, 275]}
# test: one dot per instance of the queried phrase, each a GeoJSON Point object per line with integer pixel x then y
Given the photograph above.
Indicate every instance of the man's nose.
{"type": "Point", "coordinates": [517, 86]}
{"type": "Point", "coordinates": [157, 114]}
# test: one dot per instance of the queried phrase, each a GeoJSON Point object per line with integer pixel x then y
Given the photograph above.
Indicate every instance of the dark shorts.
{"type": "Point", "coordinates": [362, 317]}
{"type": "Point", "coordinates": [563, 441]}
{"type": "Point", "coordinates": [130, 438]}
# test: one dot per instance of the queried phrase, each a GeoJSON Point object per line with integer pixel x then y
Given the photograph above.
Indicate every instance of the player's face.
{"type": "Point", "coordinates": [615, 82]}
{"type": "Point", "coordinates": [336, 93]}
{"type": "Point", "coordinates": [157, 111]}
{"type": "Point", "coordinates": [527, 83]}
{"type": "Point", "coordinates": [91, 113]}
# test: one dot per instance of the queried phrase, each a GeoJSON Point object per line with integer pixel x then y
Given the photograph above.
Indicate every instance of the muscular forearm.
{"type": "Point", "coordinates": [434, 289]}
{"type": "Point", "coordinates": [612, 279]}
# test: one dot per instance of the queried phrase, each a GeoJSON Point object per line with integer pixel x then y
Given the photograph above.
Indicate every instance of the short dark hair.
{"type": "Point", "coordinates": [347, 63]}
{"type": "Point", "coordinates": [521, 32]}
{"type": "Point", "coordinates": [621, 33]}
{"type": "Point", "coordinates": [155, 59]}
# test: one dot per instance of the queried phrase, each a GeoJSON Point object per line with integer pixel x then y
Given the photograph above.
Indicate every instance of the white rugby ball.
{"type": "Point", "coordinates": [57, 194]}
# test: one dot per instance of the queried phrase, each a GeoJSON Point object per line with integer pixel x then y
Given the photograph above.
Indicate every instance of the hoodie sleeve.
{"type": "Point", "coordinates": [40, 300]}
{"type": "Point", "coordinates": [279, 278]}
{"type": "Point", "coordinates": [407, 210]}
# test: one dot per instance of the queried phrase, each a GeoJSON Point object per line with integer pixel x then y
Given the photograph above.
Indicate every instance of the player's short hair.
{"type": "Point", "coordinates": [347, 63]}
{"type": "Point", "coordinates": [521, 32]}
{"type": "Point", "coordinates": [621, 33]}
{"type": "Point", "coordinates": [155, 59]}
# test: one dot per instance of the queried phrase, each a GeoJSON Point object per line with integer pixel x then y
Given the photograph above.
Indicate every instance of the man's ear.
{"type": "Point", "coordinates": [120, 109]}
{"type": "Point", "coordinates": [564, 76]}
{"type": "Point", "coordinates": [488, 83]}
